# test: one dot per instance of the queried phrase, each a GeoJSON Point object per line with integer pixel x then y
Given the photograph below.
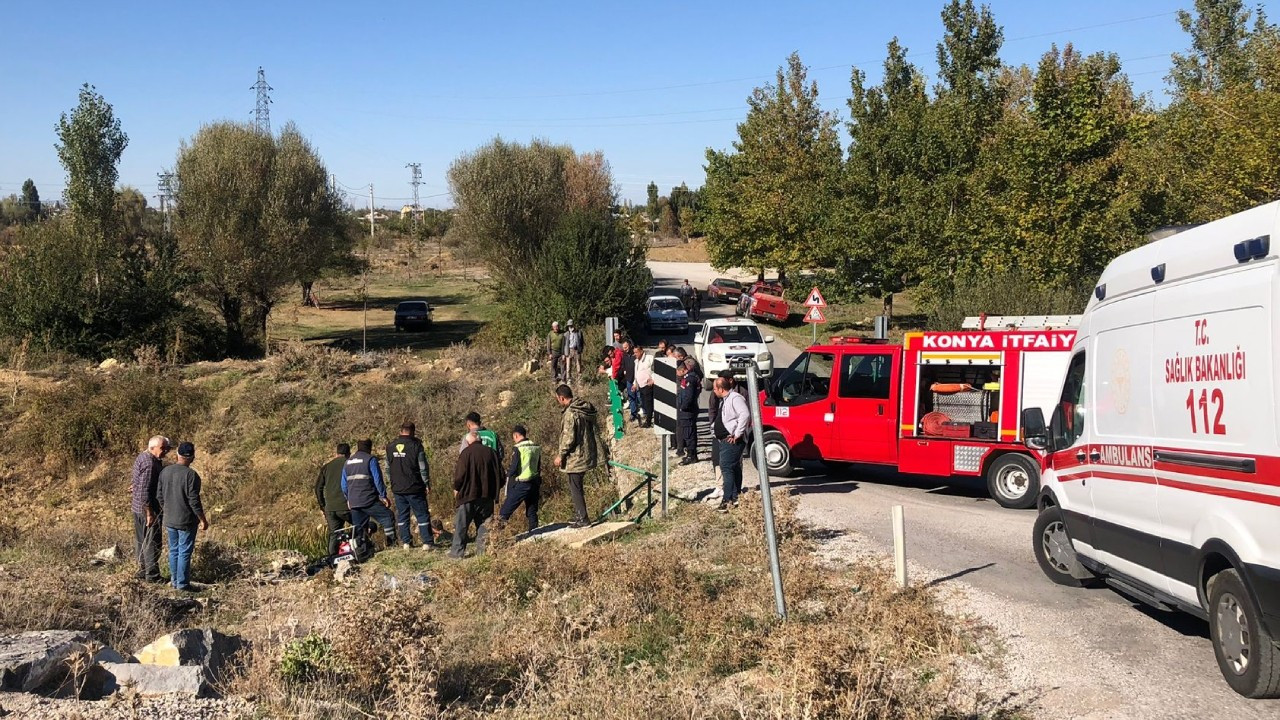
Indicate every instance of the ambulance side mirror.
{"type": "Point", "coordinates": [1034, 431]}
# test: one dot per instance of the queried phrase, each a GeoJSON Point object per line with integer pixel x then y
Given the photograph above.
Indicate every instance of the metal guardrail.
{"type": "Point", "coordinates": [646, 484]}
{"type": "Point", "coordinates": [615, 407]}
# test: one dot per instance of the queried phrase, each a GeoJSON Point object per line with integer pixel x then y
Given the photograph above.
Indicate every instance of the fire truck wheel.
{"type": "Point", "coordinates": [1247, 655]}
{"type": "Point", "coordinates": [1053, 550]}
{"type": "Point", "coordinates": [777, 454]}
{"type": "Point", "coordinates": [1014, 481]}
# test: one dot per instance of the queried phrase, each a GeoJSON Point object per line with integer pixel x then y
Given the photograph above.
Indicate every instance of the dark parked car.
{"type": "Point", "coordinates": [724, 290]}
{"type": "Point", "coordinates": [412, 314]}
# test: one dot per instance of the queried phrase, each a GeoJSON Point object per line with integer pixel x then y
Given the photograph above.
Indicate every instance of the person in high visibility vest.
{"type": "Point", "coordinates": [524, 478]}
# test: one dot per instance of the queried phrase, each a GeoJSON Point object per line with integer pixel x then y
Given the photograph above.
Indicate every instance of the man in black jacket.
{"type": "Point", "coordinates": [410, 475]}
{"type": "Point", "coordinates": [366, 493]}
{"type": "Point", "coordinates": [476, 479]}
{"type": "Point", "coordinates": [689, 387]}
{"type": "Point", "coordinates": [627, 378]}
{"type": "Point", "coordinates": [329, 495]}
{"type": "Point", "coordinates": [178, 494]}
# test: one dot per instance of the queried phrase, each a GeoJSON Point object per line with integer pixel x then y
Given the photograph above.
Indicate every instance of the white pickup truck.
{"type": "Point", "coordinates": [722, 340]}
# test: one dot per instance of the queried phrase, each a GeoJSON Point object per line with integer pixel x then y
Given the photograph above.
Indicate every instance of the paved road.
{"type": "Point", "coordinates": [1072, 653]}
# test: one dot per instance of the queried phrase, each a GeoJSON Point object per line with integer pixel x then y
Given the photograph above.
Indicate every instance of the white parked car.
{"type": "Point", "coordinates": [723, 340]}
{"type": "Point", "coordinates": [1163, 475]}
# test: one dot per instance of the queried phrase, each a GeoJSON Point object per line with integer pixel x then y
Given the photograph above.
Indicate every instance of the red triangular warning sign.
{"type": "Point", "coordinates": [815, 315]}
{"type": "Point", "coordinates": [815, 299]}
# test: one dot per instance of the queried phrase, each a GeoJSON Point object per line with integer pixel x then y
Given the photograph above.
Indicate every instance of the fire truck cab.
{"type": "Point", "coordinates": [942, 403]}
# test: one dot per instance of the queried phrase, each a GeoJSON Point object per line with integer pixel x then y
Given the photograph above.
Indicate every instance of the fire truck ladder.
{"type": "Point", "coordinates": [1021, 322]}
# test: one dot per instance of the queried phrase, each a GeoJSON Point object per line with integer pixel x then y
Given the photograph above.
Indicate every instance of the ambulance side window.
{"type": "Point", "coordinates": [865, 376]}
{"type": "Point", "coordinates": [1067, 424]}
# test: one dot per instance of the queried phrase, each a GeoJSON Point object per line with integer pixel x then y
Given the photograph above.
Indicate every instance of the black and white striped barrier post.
{"type": "Point", "coordinates": [664, 413]}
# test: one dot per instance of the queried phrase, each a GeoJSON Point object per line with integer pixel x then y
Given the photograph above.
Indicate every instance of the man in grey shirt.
{"type": "Point", "coordinates": [178, 494]}
{"type": "Point", "coordinates": [730, 429]}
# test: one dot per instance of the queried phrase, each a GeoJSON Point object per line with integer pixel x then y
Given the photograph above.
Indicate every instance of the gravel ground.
{"type": "Point", "coordinates": [21, 705]}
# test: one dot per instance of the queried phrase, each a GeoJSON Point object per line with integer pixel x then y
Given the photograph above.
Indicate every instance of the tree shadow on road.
{"type": "Point", "coordinates": [440, 335]}
{"type": "Point", "coordinates": [390, 303]}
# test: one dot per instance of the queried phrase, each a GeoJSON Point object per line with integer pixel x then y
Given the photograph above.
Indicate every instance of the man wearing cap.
{"type": "Point", "coordinates": [555, 352]}
{"type": "Point", "coordinates": [178, 495]}
{"type": "Point", "coordinates": [329, 495]}
{"type": "Point", "coordinates": [366, 494]}
{"type": "Point", "coordinates": [524, 478]}
{"type": "Point", "coordinates": [146, 511]}
{"type": "Point", "coordinates": [573, 353]}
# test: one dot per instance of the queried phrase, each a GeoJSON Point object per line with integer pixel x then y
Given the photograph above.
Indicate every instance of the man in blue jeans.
{"type": "Point", "coordinates": [178, 495]}
{"type": "Point", "coordinates": [366, 495]}
{"type": "Point", "coordinates": [410, 477]}
{"type": "Point", "coordinates": [730, 430]}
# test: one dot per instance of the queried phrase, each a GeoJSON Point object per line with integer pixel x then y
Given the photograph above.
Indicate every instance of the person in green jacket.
{"type": "Point", "coordinates": [579, 447]}
{"type": "Point", "coordinates": [329, 495]}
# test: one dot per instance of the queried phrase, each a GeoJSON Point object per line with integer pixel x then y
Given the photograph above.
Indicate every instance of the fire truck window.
{"type": "Point", "coordinates": [807, 380]}
{"type": "Point", "coordinates": [865, 376]}
{"type": "Point", "coordinates": [1068, 417]}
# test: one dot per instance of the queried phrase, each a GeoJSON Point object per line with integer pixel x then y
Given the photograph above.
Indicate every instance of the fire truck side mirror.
{"type": "Point", "coordinates": [1034, 430]}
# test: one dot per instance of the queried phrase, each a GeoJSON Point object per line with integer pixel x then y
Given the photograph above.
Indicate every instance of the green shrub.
{"type": "Point", "coordinates": [305, 658]}
{"type": "Point", "coordinates": [1003, 292]}
{"type": "Point", "coordinates": [94, 415]}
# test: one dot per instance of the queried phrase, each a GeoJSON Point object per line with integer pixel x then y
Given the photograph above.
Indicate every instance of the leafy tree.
{"type": "Point", "coordinates": [31, 197]}
{"type": "Point", "coordinates": [13, 210]}
{"type": "Point", "coordinates": [90, 143]}
{"type": "Point", "coordinates": [255, 215]}
{"type": "Point", "coordinates": [1216, 148]}
{"type": "Point", "coordinates": [540, 216]}
{"type": "Point", "coordinates": [667, 223]}
{"type": "Point", "coordinates": [887, 208]}
{"type": "Point", "coordinates": [1219, 56]}
{"type": "Point", "coordinates": [1057, 193]}
{"type": "Point", "coordinates": [767, 202]}
{"type": "Point", "coordinates": [131, 209]}
{"type": "Point", "coordinates": [652, 206]}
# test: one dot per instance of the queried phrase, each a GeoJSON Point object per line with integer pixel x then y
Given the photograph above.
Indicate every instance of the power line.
{"type": "Point", "coordinates": [707, 83]}
{"type": "Point", "coordinates": [416, 169]}
{"type": "Point", "coordinates": [262, 111]}
{"type": "Point", "coordinates": [166, 194]}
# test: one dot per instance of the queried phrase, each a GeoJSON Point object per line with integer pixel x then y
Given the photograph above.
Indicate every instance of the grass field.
{"type": "Point", "coordinates": [401, 270]}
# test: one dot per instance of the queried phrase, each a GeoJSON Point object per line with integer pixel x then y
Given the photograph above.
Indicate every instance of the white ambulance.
{"type": "Point", "coordinates": [1162, 457]}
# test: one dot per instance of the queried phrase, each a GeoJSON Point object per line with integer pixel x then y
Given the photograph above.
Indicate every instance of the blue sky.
{"type": "Point", "coordinates": [652, 85]}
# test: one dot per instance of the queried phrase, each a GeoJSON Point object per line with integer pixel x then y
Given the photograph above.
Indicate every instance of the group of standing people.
{"type": "Point", "coordinates": [166, 506]}
{"type": "Point", "coordinates": [352, 492]}
{"type": "Point", "coordinates": [564, 353]}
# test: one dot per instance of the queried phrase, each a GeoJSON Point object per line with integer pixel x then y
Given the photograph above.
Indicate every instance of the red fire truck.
{"type": "Point", "coordinates": [942, 403]}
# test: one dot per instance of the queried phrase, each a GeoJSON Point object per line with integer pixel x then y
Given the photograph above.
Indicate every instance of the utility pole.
{"type": "Point", "coordinates": [364, 282]}
{"type": "Point", "coordinates": [166, 198]}
{"type": "Point", "coordinates": [262, 111]}
{"type": "Point", "coordinates": [417, 180]}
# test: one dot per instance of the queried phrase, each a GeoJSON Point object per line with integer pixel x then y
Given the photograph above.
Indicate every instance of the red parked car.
{"type": "Point", "coordinates": [764, 301]}
{"type": "Point", "coordinates": [724, 290]}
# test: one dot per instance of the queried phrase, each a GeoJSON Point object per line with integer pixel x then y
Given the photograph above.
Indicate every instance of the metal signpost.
{"type": "Point", "coordinates": [766, 496]}
{"type": "Point", "coordinates": [815, 302]}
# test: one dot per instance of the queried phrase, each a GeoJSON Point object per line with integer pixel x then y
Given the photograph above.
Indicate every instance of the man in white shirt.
{"type": "Point", "coordinates": [730, 430]}
{"type": "Point", "coordinates": [644, 384]}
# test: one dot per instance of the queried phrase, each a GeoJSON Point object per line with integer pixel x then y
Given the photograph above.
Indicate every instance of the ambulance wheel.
{"type": "Point", "coordinates": [1014, 481]}
{"type": "Point", "coordinates": [1247, 655]}
{"type": "Point", "coordinates": [1054, 552]}
{"type": "Point", "coordinates": [777, 454]}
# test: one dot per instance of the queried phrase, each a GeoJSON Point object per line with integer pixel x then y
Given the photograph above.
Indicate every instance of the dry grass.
{"type": "Point", "coordinates": [675, 620]}
{"type": "Point", "coordinates": [694, 250]}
